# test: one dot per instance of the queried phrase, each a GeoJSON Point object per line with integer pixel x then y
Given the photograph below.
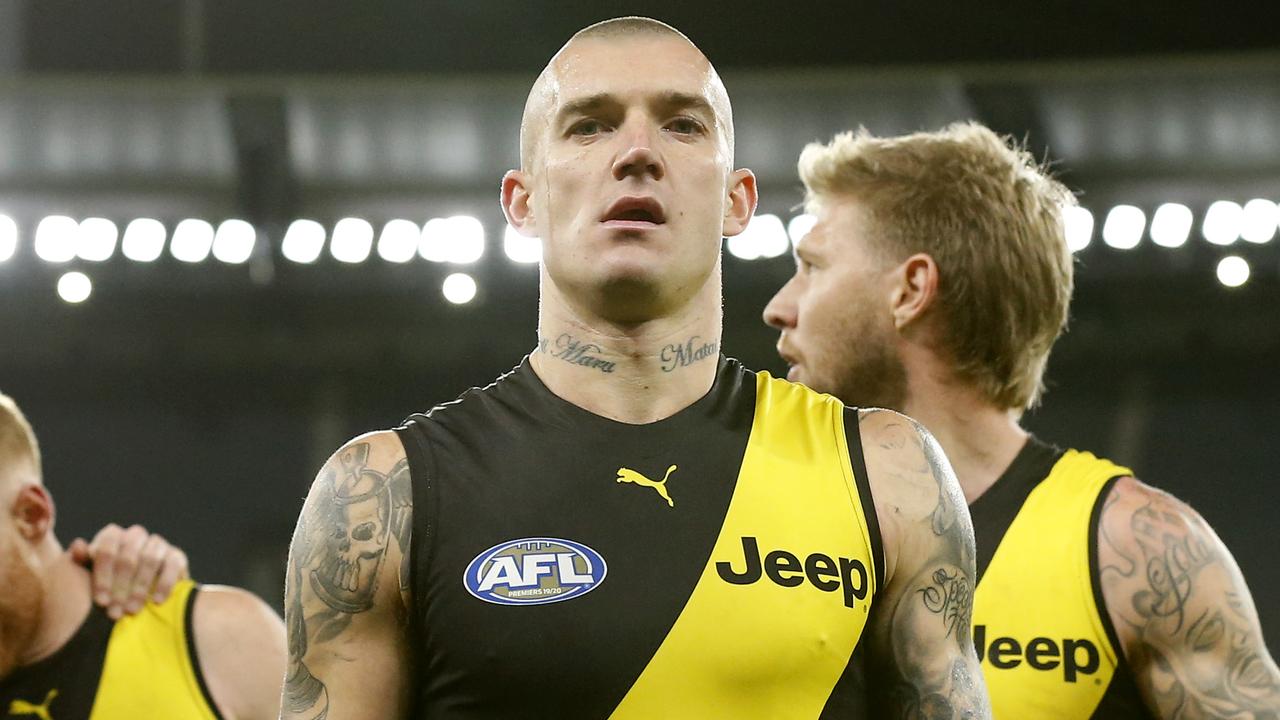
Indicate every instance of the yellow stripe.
{"type": "Point", "coordinates": [1039, 585]}
{"type": "Point", "coordinates": [147, 671]}
{"type": "Point", "coordinates": [763, 650]}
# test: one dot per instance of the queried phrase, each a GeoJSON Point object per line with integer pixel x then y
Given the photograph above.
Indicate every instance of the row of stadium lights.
{"type": "Point", "coordinates": [460, 240]}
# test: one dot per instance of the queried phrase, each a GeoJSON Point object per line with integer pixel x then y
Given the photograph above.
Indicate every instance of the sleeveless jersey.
{"type": "Point", "coordinates": [719, 563]}
{"type": "Point", "coordinates": [141, 666]}
{"type": "Point", "coordinates": [1042, 631]}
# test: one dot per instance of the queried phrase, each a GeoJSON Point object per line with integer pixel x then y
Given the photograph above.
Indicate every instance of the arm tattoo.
{"type": "Point", "coordinates": [575, 352]}
{"type": "Point", "coordinates": [338, 551]}
{"type": "Point", "coordinates": [949, 596]}
{"type": "Point", "coordinates": [1195, 634]}
{"type": "Point", "coordinates": [677, 356]}
{"type": "Point", "coordinates": [932, 667]}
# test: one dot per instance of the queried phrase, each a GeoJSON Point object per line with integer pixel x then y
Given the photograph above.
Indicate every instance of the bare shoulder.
{"type": "Point", "coordinates": [1181, 609]}
{"type": "Point", "coordinates": [911, 480]}
{"type": "Point", "coordinates": [380, 452]}
{"type": "Point", "coordinates": [922, 647]}
{"type": "Point", "coordinates": [240, 646]}
{"type": "Point", "coordinates": [347, 593]}
{"type": "Point", "coordinates": [1140, 525]}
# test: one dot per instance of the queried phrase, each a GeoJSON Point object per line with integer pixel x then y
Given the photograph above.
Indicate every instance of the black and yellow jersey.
{"type": "Point", "coordinates": [141, 666]}
{"type": "Point", "coordinates": [1046, 642]}
{"type": "Point", "coordinates": [719, 563]}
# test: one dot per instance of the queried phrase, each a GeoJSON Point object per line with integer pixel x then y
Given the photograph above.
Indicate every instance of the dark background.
{"type": "Point", "coordinates": [200, 399]}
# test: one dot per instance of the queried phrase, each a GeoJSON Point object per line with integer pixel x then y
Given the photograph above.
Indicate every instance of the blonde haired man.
{"type": "Point", "coordinates": [522, 553]}
{"type": "Point", "coordinates": [935, 282]}
{"type": "Point", "coordinates": [198, 654]}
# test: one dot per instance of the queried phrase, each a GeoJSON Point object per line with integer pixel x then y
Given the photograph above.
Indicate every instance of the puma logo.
{"type": "Point", "coordinates": [22, 707]}
{"type": "Point", "coordinates": [626, 475]}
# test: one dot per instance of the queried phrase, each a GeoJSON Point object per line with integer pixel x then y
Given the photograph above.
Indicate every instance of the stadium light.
{"type": "Point", "coordinates": [96, 239]}
{"type": "Point", "coordinates": [303, 242]}
{"type": "Point", "coordinates": [143, 240]}
{"type": "Point", "coordinates": [764, 236]}
{"type": "Point", "coordinates": [399, 241]}
{"type": "Point", "coordinates": [800, 226]}
{"type": "Point", "coordinates": [192, 240]}
{"type": "Point", "coordinates": [742, 247]}
{"type": "Point", "coordinates": [1261, 218]}
{"type": "Point", "coordinates": [1171, 225]}
{"type": "Point", "coordinates": [74, 287]}
{"type": "Point", "coordinates": [56, 238]}
{"type": "Point", "coordinates": [519, 248]}
{"type": "Point", "coordinates": [1079, 227]}
{"type": "Point", "coordinates": [459, 288]}
{"type": "Point", "coordinates": [1233, 271]}
{"type": "Point", "coordinates": [458, 240]}
{"type": "Point", "coordinates": [1222, 222]}
{"type": "Point", "coordinates": [1123, 227]}
{"type": "Point", "coordinates": [8, 237]}
{"type": "Point", "coordinates": [352, 240]}
{"type": "Point", "coordinates": [233, 242]}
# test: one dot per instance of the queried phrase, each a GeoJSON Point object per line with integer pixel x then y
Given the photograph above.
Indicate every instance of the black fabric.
{"type": "Point", "coordinates": [74, 672]}
{"type": "Point", "coordinates": [188, 631]}
{"type": "Point", "coordinates": [513, 461]}
{"type": "Point", "coordinates": [994, 510]}
{"type": "Point", "coordinates": [1122, 700]}
{"type": "Point", "coordinates": [853, 436]}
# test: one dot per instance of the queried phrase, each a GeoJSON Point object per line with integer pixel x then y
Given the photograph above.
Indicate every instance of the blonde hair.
{"type": "Point", "coordinates": [17, 440]}
{"type": "Point", "coordinates": [990, 216]}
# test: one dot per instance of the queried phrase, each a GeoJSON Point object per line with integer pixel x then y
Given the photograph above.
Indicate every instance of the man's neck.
{"type": "Point", "coordinates": [67, 601]}
{"type": "Point", "coordinates": [979, 439]}
{"type": "Point", "coordinates": [634, 374]}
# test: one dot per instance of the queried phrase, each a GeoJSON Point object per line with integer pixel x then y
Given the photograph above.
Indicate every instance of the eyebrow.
{"type": "Point", "coordinates": [668, 100]}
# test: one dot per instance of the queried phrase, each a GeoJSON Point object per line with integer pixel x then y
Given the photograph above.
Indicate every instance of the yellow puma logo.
{"type": "Point", "coordinates": [22, 707]}
{"type": "Point", "coordinates": [626, 475]}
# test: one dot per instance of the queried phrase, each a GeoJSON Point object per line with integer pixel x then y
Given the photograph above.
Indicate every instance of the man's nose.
{"type": "Point", "coordinates": [638, 156]}
{"type": "Point", "coordinates": [780, 313]}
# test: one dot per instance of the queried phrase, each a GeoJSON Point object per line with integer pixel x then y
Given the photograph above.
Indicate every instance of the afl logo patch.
{"type": "Point", "coordinates": [534, 571]}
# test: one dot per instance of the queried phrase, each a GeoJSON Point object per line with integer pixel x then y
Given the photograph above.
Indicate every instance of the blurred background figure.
{"type": "Point", "coordinates": [203, 204]}
{"type": "Point", "coordinates": [189, 653]}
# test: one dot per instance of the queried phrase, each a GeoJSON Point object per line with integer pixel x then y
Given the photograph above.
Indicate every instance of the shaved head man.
{"type": "Point", "coordinates": [630, 524]}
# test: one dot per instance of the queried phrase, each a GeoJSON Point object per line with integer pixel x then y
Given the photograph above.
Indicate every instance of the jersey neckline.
{"type": "Point", "coordinates": [727, 371]}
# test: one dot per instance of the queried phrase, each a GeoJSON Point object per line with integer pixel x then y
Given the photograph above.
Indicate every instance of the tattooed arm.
{"type": "Point", "coordinates": [1181, 609]}
{"type": "Point", "coordinates": [346, 596]}
{"type": "Point", "coordinates": [922, 648]}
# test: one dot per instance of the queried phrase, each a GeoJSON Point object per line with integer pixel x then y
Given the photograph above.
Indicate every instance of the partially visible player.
{"type": "Point", "coordinates": [202, 653]}
{"type": "Point", "coordinates": [935, 282]}
{"type": "Point", "coordinates": [630, 524]}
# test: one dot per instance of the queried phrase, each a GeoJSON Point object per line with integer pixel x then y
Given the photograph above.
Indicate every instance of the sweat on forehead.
{"type": "Point", "coordinates": [546, 93]}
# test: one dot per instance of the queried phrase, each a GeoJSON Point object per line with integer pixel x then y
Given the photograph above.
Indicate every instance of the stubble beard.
{"type": "Point", "coordinates": [870, 374]}
{"type": "Point", "coordinates": [21, 606]}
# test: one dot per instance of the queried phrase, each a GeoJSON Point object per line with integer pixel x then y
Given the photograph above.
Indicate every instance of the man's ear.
{"type": "Point", "coordinates": [742, 202]}
{"type": "Point", "coordinates": [913, 289]}
{"type": "Point", "coordinates": [517, 202]}
{"type": "Point", "coordinates": [32, 512]}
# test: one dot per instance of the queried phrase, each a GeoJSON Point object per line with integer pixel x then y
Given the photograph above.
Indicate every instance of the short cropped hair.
{"type": "Point", "coordinates": [17, 440]}
{"type": "Point", "coordinates": [990, 216]}
{"type": "Point", "coordinates": [620, 27]}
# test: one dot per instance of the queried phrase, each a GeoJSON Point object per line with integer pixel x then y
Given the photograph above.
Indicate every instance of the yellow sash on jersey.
{"type": "Point", "coordinates": [1045, 652]}
{"type": "Point", "coordinates": [147, 672]}
{"type": "Point", "coordinates": [765, 650]}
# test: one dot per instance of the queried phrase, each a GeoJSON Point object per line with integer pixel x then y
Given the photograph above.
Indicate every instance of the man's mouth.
{"type": "Point", "coordinates": [635, 212]}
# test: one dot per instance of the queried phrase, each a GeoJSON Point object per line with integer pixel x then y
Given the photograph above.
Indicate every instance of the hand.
{"type": "Point", "coordinates": [129, 564]}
